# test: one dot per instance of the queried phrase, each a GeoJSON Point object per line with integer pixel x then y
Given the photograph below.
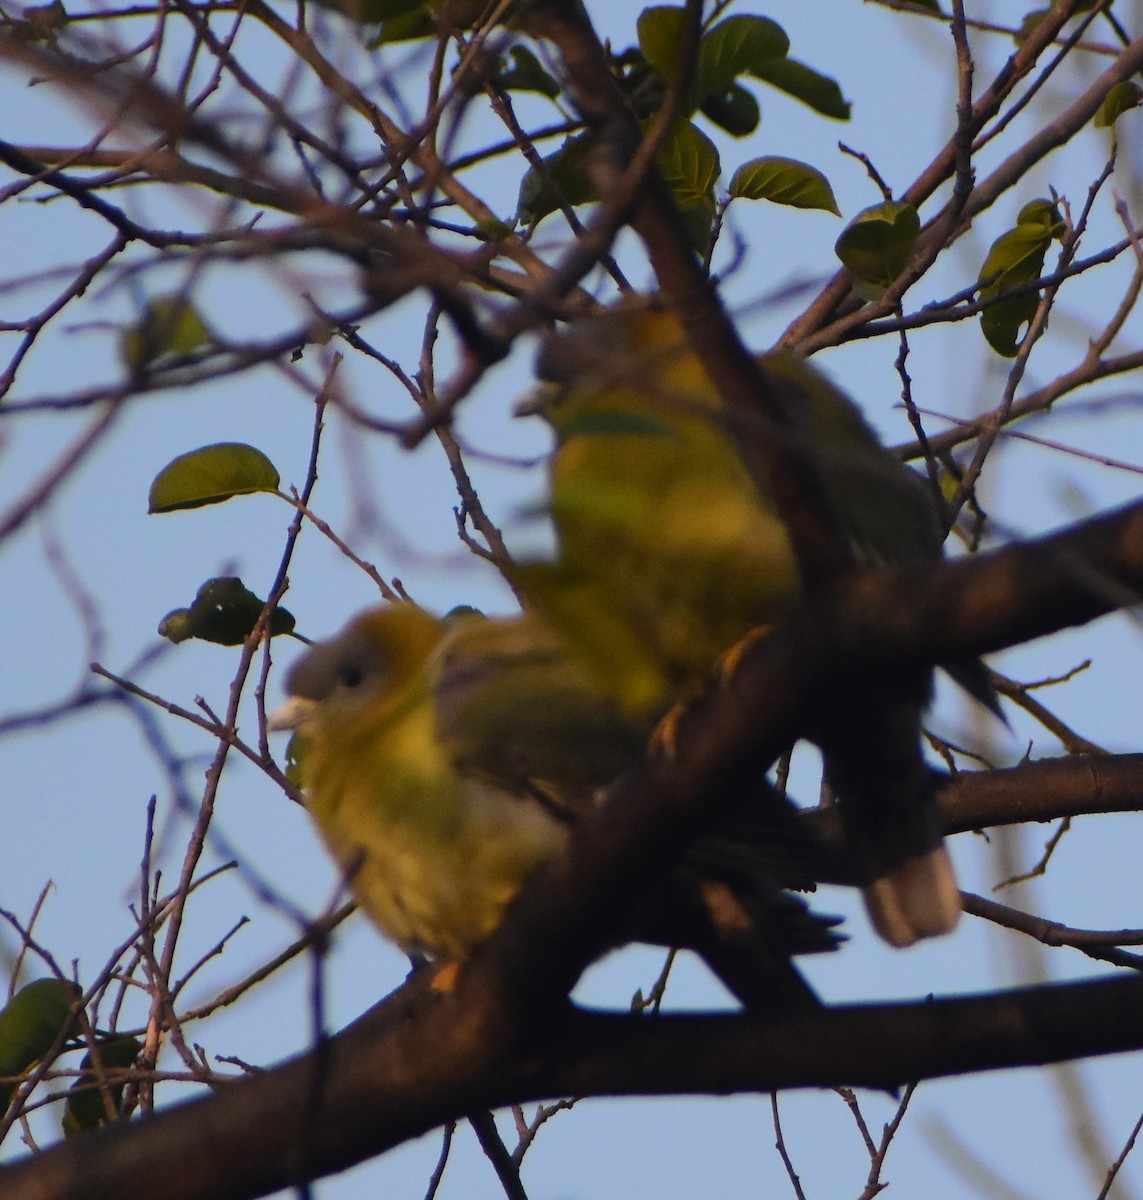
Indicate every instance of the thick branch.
{"type": "Point", "coordinates": [1047, 790]}
{"type": "Point", "coordinates": [420, 1059]}
{"type": "Point", "coordinates": [879, 1046]}
{"type": "Point", "coordinates": [1043, 791]}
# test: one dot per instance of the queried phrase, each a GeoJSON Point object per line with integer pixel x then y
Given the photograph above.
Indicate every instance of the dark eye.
{"type": "Point", "coordinates": [350, 676]}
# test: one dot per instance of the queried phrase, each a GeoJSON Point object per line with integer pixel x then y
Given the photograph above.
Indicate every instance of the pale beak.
{"type": "Point", "coordinates": [293, 714]}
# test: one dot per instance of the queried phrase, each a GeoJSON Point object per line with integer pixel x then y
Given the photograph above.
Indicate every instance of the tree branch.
{"type": "Point", "coordinates": [420, 1059]}
{"type": "Point", "coordinates": [1043, 791]}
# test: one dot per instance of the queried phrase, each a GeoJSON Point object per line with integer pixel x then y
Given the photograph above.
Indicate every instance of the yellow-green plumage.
{"type": "Point", "coordinates": [431, 854]}
{"type": "Point", "coordinates": [669, 551]}
{"type": "Point", "coordinates": [444, 760]}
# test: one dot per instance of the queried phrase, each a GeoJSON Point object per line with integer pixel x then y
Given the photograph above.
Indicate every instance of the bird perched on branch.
{"type": "Point", "coordinates": [443, 761]}
{"type": "Point", "coordinates": [670, 550]}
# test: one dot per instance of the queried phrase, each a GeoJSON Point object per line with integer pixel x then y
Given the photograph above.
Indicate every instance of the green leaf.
{"type": "Point", "coordinates": [224, 611]}
{"type": "Point", "coordinates": [86, 1107]}
{"type": "Point", "coordinates": [1042, 213]}
{"type": "Point", "coordinates": [783, 181]}
{"type": "Point", "coordinates": [1002, 321]}
{"type": "Point", "coordinates": [527, 75]}
{"type": "Point", "coordinates": [460, 14]}
{"type": "Point", "coordinates": [169, 332]}
{"type": "Point", "coordinates": [373, 12]}
{"type": "Point", "coordinates": [688, 162]}
{"type": "Point", "coordinates": [411, 26]}
{"type": "Point", "coordinates": [30, 1025]}
{"type": "Point", "coordinates": [1035, 16]}
{"type": "Point", "coordinates": [660, 32]}
{"type": "Point", "coordinates": [741, 45]}
{"type": "Point", "coordinates": [877, 244]}
{"type": "Point", "coordinates": [1016, 258]}
{"type": "Point", "coordinates": [412, 20]}
{"type": "Point", "coordinates": [1119, 99]}
{"type": "Point", "coordinates": [698, 220]}
{"type": "Point", "coordinates": [737, 111]}
{"type": "Point", "coordinates": [818, 91]}
{"type": "Point", "coordinates": [1028, 24]}
{"type": "Point", "coordinates": [737, 46]}
{"type": "Point", "coordinates": [492, 229]}
{"type": "Point", "coordinates": [211, 475]}
{"type": "Point", "coordinates": [564, 177]}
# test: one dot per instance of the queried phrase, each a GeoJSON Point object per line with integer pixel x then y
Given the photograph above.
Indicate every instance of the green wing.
{"type": "Point", "coordinates": [514, 706]}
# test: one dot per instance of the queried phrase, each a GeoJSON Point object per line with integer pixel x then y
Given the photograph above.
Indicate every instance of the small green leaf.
{"type": "Point", "coordinates": [1033, 18]}
{"type": "Point", "coordinates": [660, 32]}
{"type": "Point", "coordinates": [86, 1107]}
{"type": "Point", "coordinates": [564, 178]}
{"type": "Point", "coordinates": [698, 221]}
{"type": "Point", "coordinates": [877, 244]}
{"type": "Point", "coordinates": [460, 14]}
{"type": "Point", "coordinates": [1119, 99]}
{"type": "Point", "coordinates": [1042, 213]}
{"type": "Point", "coordinates": [783, 181]}
{"type": "Point", "coordinates": [1002, 321]}
{"type": "Point", "coordinates": [1028, 24]}
{"type": "Point", "coordinates": [30, 1025]}
{"type": "Point", "coordinates": [737, 46]}
{"type": "Point", "coordinates": [493, 229]}
{"type": "Point", "coordinates": [410, 26]}
{"type": "Point", "coordinates": [737, 111]}
{"type": "Point", "coordinates": [741, 45]}
{"type": "Point", "coordinates": [211, 475]}
{"type": "Point", "coordinates": [461, 612]}
{"type": "Point", "coordinates": [411, 20]}
{"type": "Point", "coordinates": [818, 91]}
{"type": "Point", "coordinates": [169, 332]}
{"type": "Point", "coordinates": [1016, 258]}
{"type": "Point", "coordinates": [224, 611]}
{"type": "Point", "coordinates": [688, 162]}
{"type": "Point", "coordinates": [373, 12]}
{"type": "Point", "coordinates": [527, 75]}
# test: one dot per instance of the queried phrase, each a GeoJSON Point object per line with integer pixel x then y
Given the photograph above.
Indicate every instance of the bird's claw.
{"type": "Point", "coordinates": [728, 661]}
{"type": "Point", "coordinates": [664, 738]}
{"type": "Point", "coordinates": [444, 981]}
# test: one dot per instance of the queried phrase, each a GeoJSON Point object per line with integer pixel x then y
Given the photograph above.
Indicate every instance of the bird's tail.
{"type": "Point", "coordinates": [887, 803]}
{"type": "Point", "coordinates": [917, 898]}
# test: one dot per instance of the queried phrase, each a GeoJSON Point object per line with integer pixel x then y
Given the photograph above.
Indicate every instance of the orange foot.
{"type": "Point", "coordinates": [728, 662]}
{"type": "Point", "coordinates": [664, 739]}
{"type": "Point", "coordinates": [445, 979]}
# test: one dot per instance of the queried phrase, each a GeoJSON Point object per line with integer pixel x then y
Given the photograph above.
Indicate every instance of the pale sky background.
{"type": "Point", "coordinates": [75, 793]}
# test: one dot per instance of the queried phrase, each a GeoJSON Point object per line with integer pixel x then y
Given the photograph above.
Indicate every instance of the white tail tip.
{"type": "Point", "coordinates": [917, 899]}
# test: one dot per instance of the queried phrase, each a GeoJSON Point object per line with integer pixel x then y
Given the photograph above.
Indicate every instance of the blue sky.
{"type": "Point", "coordinates": [76, 790]}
